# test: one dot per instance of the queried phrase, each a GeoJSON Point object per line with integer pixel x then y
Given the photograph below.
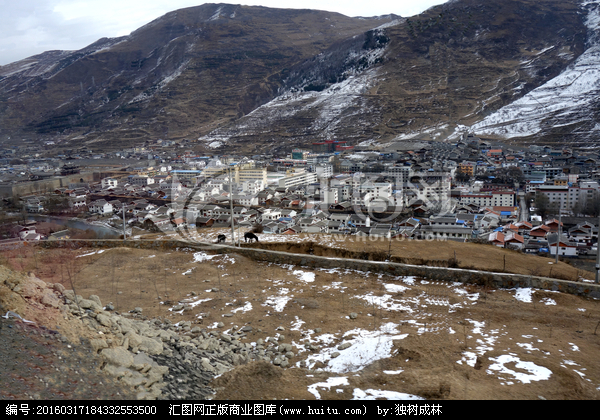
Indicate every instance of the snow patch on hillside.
{"type": "Point", "coordinates": [327, 110]}
{"type": "Point", "coordinates": [563, 100]}
{"type": "Point", "coordinates": [329, 105]}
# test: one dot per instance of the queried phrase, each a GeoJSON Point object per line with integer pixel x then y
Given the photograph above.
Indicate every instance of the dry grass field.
{"type": "Point", "coordinates": [355, 334]}
{"type": "Point", "coordinates": [420, 252]}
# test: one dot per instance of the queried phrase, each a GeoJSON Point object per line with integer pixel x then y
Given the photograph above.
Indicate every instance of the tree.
{"type": "Point", "coordinates": [592, 207]}
{"type": "Point", "coordinates": [542, 204]}
{"type": "Point", "coordinates": [577, 209]}
{"type": "Point", "coordinates": [57, 204]}
{"type": "Point", "coordinates": [462, 177]}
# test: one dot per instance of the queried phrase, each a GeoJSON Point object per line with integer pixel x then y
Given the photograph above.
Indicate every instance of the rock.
{"type": "Point", "coordinates": [344, 346]}
{"type": "Point", "coordinates": [104, 320]}
{"type": "Point", "coordinates": [49, 299]}
{"type": "Point", "coordinates": [96, 299]}
{"type": "Point", "coordinates": [151, 346]}
{"type": "Point", "coordinates": [98, 344]}
{"type": "Point", "coordinates": [353, 315]}
{"type": "Point", "coordinates": [117, 356]}
{"type": "Point", "coordinates": [134, 339]}
{"type": "Point", "coordinates": [335, 354]}
{"type": "Point", "coordinates": [89, 304]}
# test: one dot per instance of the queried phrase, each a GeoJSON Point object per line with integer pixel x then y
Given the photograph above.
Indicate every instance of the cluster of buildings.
{"type": "Point", "coordinates": [468, 190]}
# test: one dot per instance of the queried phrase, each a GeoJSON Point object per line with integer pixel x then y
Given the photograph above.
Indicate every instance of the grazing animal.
{"type": "Point", "coordinates": [250, 235]}
{"type": "Point", "coordinates": [221, 238]}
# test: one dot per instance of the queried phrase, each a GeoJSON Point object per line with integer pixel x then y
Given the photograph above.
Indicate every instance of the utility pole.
{"type": "Point", "coordinates": [124, 232]}
{"type": "Point", "coordinates": [559, 232]}
{"type": "Point", "coordinates": [231, 207]}
{"type": "Point", "coordinates": [598, 255]}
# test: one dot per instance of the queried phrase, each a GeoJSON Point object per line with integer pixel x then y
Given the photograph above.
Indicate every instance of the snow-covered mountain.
{"type": "Point", "coordinates": [565, 108]}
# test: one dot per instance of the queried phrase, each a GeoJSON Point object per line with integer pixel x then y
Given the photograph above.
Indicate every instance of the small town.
{"type": "Point", "coordinates": [473, 190]}
{"type": "Point", "coordinates": [312, 204]}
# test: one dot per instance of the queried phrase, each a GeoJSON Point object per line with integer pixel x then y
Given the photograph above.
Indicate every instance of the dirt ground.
{"type": "Point", "coordinates": [445, 340]}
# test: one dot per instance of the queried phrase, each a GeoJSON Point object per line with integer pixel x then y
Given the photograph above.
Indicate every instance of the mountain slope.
{"type": "Point", "coordinates": [447, 68]}
{"type": "Point", "coordinates": [558, 111]}
{"type": "Point", "coordinates": [254, 79]}
{"type": "Point", "coordinates": [181, 75]}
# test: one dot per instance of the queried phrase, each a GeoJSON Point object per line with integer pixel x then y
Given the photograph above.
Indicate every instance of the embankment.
{"type": "Point", "coordinates": [307, 255]}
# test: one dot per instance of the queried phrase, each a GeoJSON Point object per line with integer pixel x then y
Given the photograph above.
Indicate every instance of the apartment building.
{"type": "Point", "coordinates": [489, 199]}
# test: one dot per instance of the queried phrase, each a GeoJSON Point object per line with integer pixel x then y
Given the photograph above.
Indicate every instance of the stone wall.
{"type": "Point", "coordinates": [505, 280]}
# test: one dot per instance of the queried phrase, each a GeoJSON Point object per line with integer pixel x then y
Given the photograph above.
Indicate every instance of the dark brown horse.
{"type": "Point", "coordinates": [250, 236]}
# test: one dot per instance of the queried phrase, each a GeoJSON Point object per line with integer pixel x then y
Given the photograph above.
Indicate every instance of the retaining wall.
{"type": "Point", "coordinates": [484, 278]}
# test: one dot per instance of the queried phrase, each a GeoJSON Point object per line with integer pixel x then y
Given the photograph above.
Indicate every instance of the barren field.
{"type": "Point", "coordinates": [353, 334]}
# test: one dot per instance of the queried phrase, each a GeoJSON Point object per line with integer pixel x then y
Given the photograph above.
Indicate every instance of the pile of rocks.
{"type": "Point", "coordinates": [162, 360]}
{"type": "Point", "coordinates": [154, 357]}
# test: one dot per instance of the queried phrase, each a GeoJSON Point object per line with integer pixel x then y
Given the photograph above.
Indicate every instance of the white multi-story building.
{"type": "Point", "coordinates": [565, 197]}
{"type": "Point", "coordinates": [489, 199]}
{"type": "Point", "coordinates": [298, 178]}
{"type": "Point", "coordinates": [109, 183]}
{"type": "Point", "coordinates": [253, 186]}
{"type": "Point", "coordinates": [324, 171]}
{"type": "Point", "coordinates": [141, 180]}
{"type": "Point", "coordinates": [369, 193]}
{"type": "Point", "coordinates": [431, 187]}
{"type": "Point", "coordinates": [250, 174]}
{"type": "Point", "coordinates": [401, 174]}
{"type": "Point", "coordinates": [330, 195]}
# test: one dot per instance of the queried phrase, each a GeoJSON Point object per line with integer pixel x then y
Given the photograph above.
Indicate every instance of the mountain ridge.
{"type": "Point", "coordinates": [253, 78]}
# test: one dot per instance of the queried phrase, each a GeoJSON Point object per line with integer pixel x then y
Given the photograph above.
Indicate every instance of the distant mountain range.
{"type": "Point", "coordinates": [253, 79]}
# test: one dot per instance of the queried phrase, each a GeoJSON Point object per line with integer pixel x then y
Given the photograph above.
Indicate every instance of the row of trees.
{"type": "Point", "coordinates": [544, 208]}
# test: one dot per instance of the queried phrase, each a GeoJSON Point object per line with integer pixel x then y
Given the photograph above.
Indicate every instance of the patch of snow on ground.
{"type": "Point", "coordinates": [203, 256]}
{"type": "Point", "coordinates": [385, 302]}
{"type": "Point", "coordinates": [548, 301]}
{"type": "Point", "coordinates": [375, 394]}
{"type": "Point", "coordinates": [367, 347]}
{"type": "Point", "coordinates": [524, 294]}
{"type": "Point", "coordinates": [246, 308]}
{"type": "Point", "coordinates": [335, 381]}
{"type": "Point", "coordinates": [469, 358]}
{"type": "Point", "coordinates": [196, 302]}
{"type": "Point", "coordinates": [304, 276]}
{"type": "Point", "coordinates": [91, 253]}
{"type": "Point", "coordinates": [395, 288]}
{"type": "Point", "coordinates": [278, 302]}
{"type": "Point", "coordinates": [536, 373]}
{"type": "Point", "coordinates": [527, 346]}
{"type": "Point", "coordinates": [393, 372]}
